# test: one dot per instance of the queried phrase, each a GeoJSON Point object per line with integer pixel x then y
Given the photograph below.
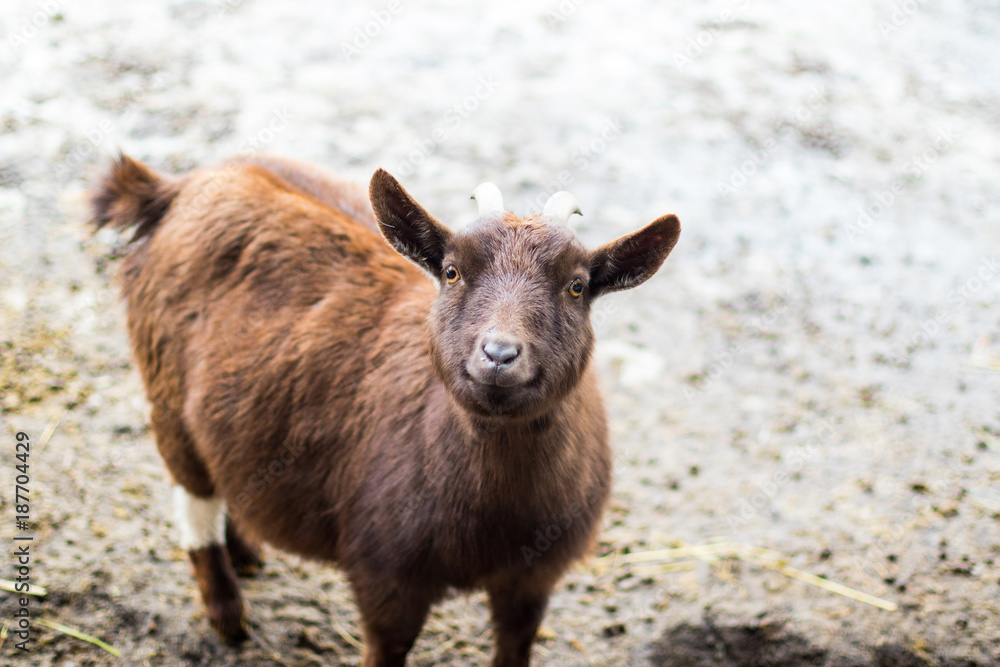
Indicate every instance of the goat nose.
{"type": "Point", "coordinates": [501, 352]}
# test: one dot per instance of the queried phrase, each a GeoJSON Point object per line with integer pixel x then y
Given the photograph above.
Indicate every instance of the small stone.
{"type": "Point", "coordinates": [613, 630]}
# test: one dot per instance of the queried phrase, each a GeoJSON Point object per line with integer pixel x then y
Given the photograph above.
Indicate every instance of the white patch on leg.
{"type": "Point", "coordinates": [201, 521]}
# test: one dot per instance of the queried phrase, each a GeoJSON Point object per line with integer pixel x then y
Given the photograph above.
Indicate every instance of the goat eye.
{"type": "Point", "coordinates": [576, 287]}
{"type": "Point", "coordinates": [451, 274]}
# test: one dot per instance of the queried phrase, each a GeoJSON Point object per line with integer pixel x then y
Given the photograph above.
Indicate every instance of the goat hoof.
{"type": "Point", "coordinates": [226, 618]}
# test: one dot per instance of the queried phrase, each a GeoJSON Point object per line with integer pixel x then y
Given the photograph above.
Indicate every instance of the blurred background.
{"type": "Point", "coordinates": [815, 371]}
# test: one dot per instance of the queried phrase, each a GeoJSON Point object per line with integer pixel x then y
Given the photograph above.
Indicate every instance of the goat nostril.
{"type": "Point", "coordinates": [500, 352]}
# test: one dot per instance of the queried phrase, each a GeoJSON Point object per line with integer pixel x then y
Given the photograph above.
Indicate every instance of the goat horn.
{"type": "Point", "coordinates": [560, 206]}
{"type": "Point", "coordinates": [488, 198]}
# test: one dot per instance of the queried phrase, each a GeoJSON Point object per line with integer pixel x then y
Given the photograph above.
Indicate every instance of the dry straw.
{"type": "Point", "coordinates": [686, 556]}
{"type": "Point", "coordinates": [73, 632]}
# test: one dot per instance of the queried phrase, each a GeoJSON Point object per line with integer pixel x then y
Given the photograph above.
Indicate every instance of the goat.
{"type": "Point", "coordinates": [416, 411]}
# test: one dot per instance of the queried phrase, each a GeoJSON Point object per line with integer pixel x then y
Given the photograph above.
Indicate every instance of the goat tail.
{"type": "Point", "coordinates": [132, 195]}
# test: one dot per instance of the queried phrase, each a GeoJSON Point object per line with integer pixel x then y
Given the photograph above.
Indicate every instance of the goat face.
{"type": "Point", "coordinates": [510, 328]}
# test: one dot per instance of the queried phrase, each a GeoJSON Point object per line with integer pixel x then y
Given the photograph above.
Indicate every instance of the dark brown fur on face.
{"type": "Point", "coordinates": [419, 433]}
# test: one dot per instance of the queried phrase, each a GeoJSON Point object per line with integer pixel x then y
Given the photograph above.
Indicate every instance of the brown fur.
{"type": "Point", "coordinates": [300, 368]}
{"type": "Point", "coordinates": [220, 590]}
{"type": "Point", "coordinates": [244, 554]}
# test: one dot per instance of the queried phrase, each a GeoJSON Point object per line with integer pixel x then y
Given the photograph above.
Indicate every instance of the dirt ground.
{"type": "Point", "coordinates": [814, 372]}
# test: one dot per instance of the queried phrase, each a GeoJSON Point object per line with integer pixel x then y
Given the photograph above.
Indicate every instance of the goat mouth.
{"type": "Point", "coordinates": [489, 398]}
{"type": "Point", "coordinates": [497, 404]}
{"type": "Point", "coordinates": [498, 380]}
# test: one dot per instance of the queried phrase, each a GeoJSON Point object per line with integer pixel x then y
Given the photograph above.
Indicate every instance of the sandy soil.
{"type": "Point", "coordinates": [813, 372]}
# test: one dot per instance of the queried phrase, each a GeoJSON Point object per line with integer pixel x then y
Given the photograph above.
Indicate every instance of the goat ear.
{"type": "Point", "coordinates": [406, 225]}
{"type": "Point", "coordinates": [634, 258]}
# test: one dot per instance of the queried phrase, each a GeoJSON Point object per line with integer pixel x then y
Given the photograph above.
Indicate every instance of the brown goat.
{"type": "Point", "coordinates": [423, 434]}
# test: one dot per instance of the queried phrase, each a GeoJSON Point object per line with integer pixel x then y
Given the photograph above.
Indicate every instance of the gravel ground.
{"type": "Point", "coordinates": [813, 372]}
